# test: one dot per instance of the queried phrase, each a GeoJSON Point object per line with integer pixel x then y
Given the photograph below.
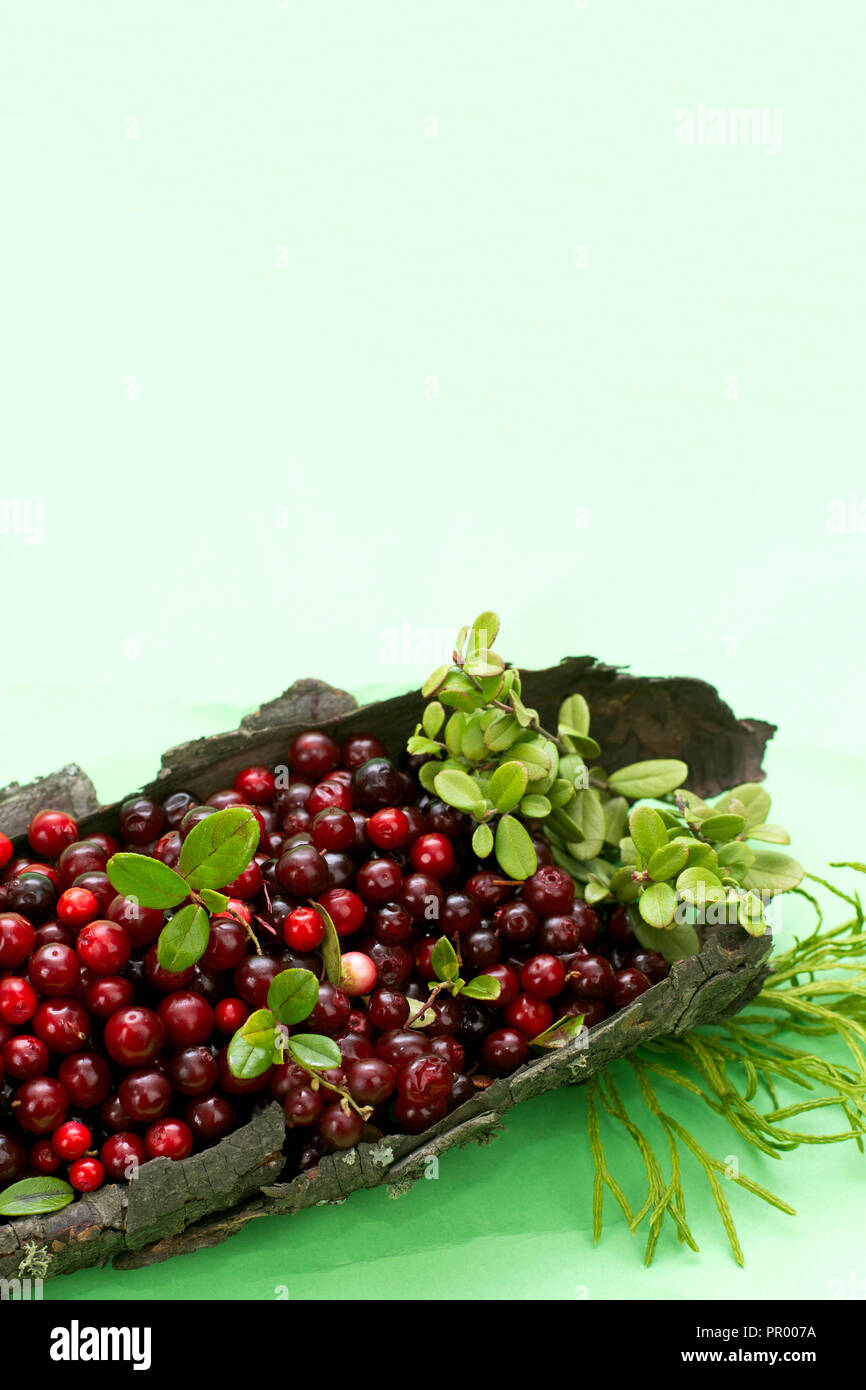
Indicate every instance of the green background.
{"type": "Point", "coordinates": [296, 388]}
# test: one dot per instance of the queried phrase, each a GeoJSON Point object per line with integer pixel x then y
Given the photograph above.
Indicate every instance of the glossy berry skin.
{"type": "Point", "coordinates": [388, 1009]}
{"type": "Point", "coordinates": [371, 1080]}
{"type": "Point", "coordinates": [32, 894]}
{"type": "Point", "coordinates": [167, 981]}
{"type": "Point", "coordinates": [450, 1049]}
{"type": "Point", "coordinates": [487, 891]}
{"type": "Point", "coordinates": [86, 1078]}
{"type": "Point", "coordinates": [591, 976]}
{"type": "Point", "coordinates": [175, 807]}
{"type": "Point", "coordinates": [302, 871]}
{"type": "Point", "coordinates": [388, 828]}
{"type": "Point", "coordinates": [193, 1071]}
{"type": "Point", "coordinates": [422, 958]}
{"type": "Point", "coordinates": [104, 996]}
{"type": "Point", "coordinates": [393, 963]}
{"type": "Point", "coordinates": [43, 1158]}
{"type": "Point", "coordinates": [375, 785]}
{"type": "Point", "coordinates": [113, 1117]}
{"type": "Point", "coordinates": [421, 895]}
{"type": "Point", "coordinates": [141, 924]}
{"type": "Point", "coordinates": [230, 1015]}
{"type": "Point", "coordinates": [227, 945]}
{"type": "Point", "coordinates": [302, 1107]}
{"type": "Point", "coordinates": [416, 1118]}
{"type": "Point", "coordinates": [331, 1012]}
{"type": "Point", "coordinates": [619, 929]}
{"type": "Point", "coordinates": [134, 1036]}
{"type": "Point", "coordinates": [399, 1046]}
{"type": "Point", "coordinates": [5, 850]}
{"type": "Point", "coordinates": [25, 1057]}
{"type": "Point", "coordinates": [50, 832]}
{"type": "Point", "coordinates": [313, 755]}
{"type": "Point", "coordinates": [142, 820]}
{"type": "Point", "coordinates": [628, 985]}
{"type": "Point", "coordinates": [558, 935]}
{"type": "Point", "coordinates": [591, 1010]}
{"type": "Point", "coordinates": [145, 1094]}
{"type": "Point", "coordinates": [71, 1140]}
{"type": "Point", "coordinates": [392, 925]}
{"type": "Point", "coordinates": [504, 1050]}
{"type": "Point", "coordinates": [651, 964]}
{"type": "Point", "coordinates": [379, 881]}
{"type": "Point", "coordinates": [187, 1018]}
{"type": "Point", "coordinates": [40, 1105]}
{"type": "Point", "coordinates": [587, 920]}
{"type": "Point", "coordinates": [543, 977]}
{"type": "Point", "coordinates": [345, 909]}
{"type": "Point", "coordinates": [17, 939]}
{"type": "Point", "coordinates": [210, 1117]}
{"type": "Point", "coordinates": [549, 891]}
{"type": "Point", "coordinates": [254, 977]}
{"type": "Point", "coordinates": [517, 922]}
{"type": "Point", "coordinates": [247, 884]}
{"type": "Point", "coordinates": [122, 1155]}
{"type": "Point", "coordinates": [18, 1000]}
{"type": "Point", "coordinates": [508, 981]}
{"type": "Point", "coordinates": [256, 785]}
{"type": "Point", "coordinates": [104, 947]}
{"type": "Point", "coordinates": [97, 883]}
{"type": "Point", "coordinates": [359, 749]}
{"type": "Point", "coordinates": [86, 1175]}
{"type": "Point", "coordinates": [13, 1158]}
{"type": "Point", "coordinates": [425, 1080]}
{"type": "Point", "coordinates": [358, 974]}
{"type": "Point", "coordinates": [77, 906]}
{"type": "Point", "coordinates": [434, 855]}
{"type": "Point", "coordinates": [329, 793]}
{"type": "Point", "coordinates": [333, 829]}
{"type": "Point", "coordinates": [354, 1047]}
{"type": "Point", "coordinates": [340, 1129]}
{"type": "Point", "coordinates": [81, 857]}
{"type": "Point", "coordinates": [529, 1016]}
{"type": "Point", "coordinates": [481, 948]}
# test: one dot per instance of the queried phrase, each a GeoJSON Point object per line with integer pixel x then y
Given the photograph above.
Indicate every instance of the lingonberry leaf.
{"type": "Point", "coordinates": [674, 943]}
{"type": "Point", "coordinates": [647, 829]}
{"type": "Point", "coordinates": [655, 777]}
{"type": "Point", "coordinates": [722, 828]}
{"type": "Point", "coordinates": [433, 718]}
{"type": "Point", "coordinates": [535, 806]}
{"type": "Point", "coordinates": [458, 691]}
{"type": "Point", "coordinates": [443, 959]}
{"type": "Point", "coordinates": [483, 633]}
{"type": "Point", "coordinates": [251, 1050]}
{"type": "Point", "coordinates": [184, 939]}
{"type": "Point", "coordinates": [773, 873]}
{"type": "Point", "coordinates": [314, 1051]}
{"type": "Point", "coordinates": [699, 885]}
{"type": "Point", "coordinates": [559, 1034]}
{"type": "Point", "coordinates": [514, 849]}
{"type": "Point", "coordinates": [482, 987]}
{"type": "Point", "coordinates": [574, 714]}
{"type": "Point", "coordinates": [750, 800]}
{"type": "Point", "coordinates": [419, 744]}
{"type": "Point", "coordinates": [508, 784]}
{"type": "Point", "coordinates": [435, 681]}
{"type": "Point", "coordinates": [501, 732]}
{"type": "Point", "coordinates": [623, 885]}
{"type": "Point", "coordinates": [31, 1196]}
{"type": "Point", "coordinates": [456, 788]}
{"type": "Point", "coordinates": [588, 812]}
{"type": "Point", "coordinates": [658, 904]}
{"type": "Point", "coordinates": [219, 848]}
{"type": "Point", "coordinates": [750, 914]}
{"type": "Point", "coordinates": [329, 949]}
{"type": "Point", "coordinates": [215, 902]}
{"type": "Point", "coordinates": [292, 996]}
{"type": "Point", "coordinates": [595, 890]}
{"type": "Point", "coordinates": [147, 881]}
{"type": "Point", "coordinates": [667, 862]}
{"type": "Point", "coordinates": [482, 841]}
{"type": "Point", "coordinates": [773, 834]}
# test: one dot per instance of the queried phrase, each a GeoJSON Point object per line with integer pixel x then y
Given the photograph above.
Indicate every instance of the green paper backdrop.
{"type": "Point", "coordinates": [326, 327]}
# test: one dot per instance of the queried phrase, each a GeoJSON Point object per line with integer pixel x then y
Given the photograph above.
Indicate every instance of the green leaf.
{"type": "Point", "coordinates": [315, 1051]}
{"type": "Point", "coordinates": [501, 732]}
{"type": "Point", "coordinates": [454, 730]}
{"type": "Point", "coordinates": [595, 891]}
{"type": "Point", "coordinates": [750, 915]}
{"type": "Point", "coordinates": [701, 856]}
{"type": "Point", "coordinates": [251, 1050]}
{"type": "Point", "coordinates": [615, 819]}
{"type": "Point", "coordinates": [723, 827]}
{"type": "Point", "coordinates": [31, 1196]}
{"type": "Point", "coordinates": [457, 789]}
{"type": "Point", "coordinates": [426, 775]}
{"type": "Point", "coordinates": [484, 664]}
{"type": "Point", "coordinates": [675, 943]}
{"type": "Point", "coordinates": [514, 849]}
{"type": "Point", "coordinates": [482, 987]}
{"type": "Point", "coordinates": [458, 691]}
{"type": "Point", "coordinates": [561, 792]}
{"type": "Point", "coordinates": [483, 633]}
{"type": "Point", "coordinates": [773, 834]}
{"type": "Point", "coordinates": [623, 886]}
{"type": "Point", "coordinates": [658, 904]}
{"type": "Point", "coordinates": [582, 743]}
{"type": "Point", "coordinates": [434, 681]}
{"type": "Point", "coordinates": [482, 841]}
{"type": "Point", "coordinates": [472, 744]}
{"type": "Point", "coordinates": [507, 785]}
{"type": "Point", "coordinates": [443, 959]}
{"type": "Point", "coordinates": [559, 1034]}
{"type": "Point", "coordinates": [647, 830]}
{"type": "Point", "coordinates": [219, 848]}
{"type": "Point", "coordinates": [432, 719]}
{"type": "Point", "coordinates": [667, 862]}
{"type": "Point", "coordinates": [588, 812]}
{"type": "Point", "coordinates": [148, 881]}
{"type": "Point", "coordinates": [535, 806]}
{"type": "Point", "coordinates": [773, 873]}
{"type": "Point", "coordinates": [417, 745]}
{"type": "Point", "coordinates": [536, 757]}
{"type": "Point", "coordinates": [753, 803]}
{"type": "Point", "coordinates": [736, 856]}
{"type": "Point", "coordinates": [655, 777]}
{"type": "Point", "coordinates": [184, 939]}
{"type": "Point", "coordinates": [699, 885]}
{"type": "Point", "coordinates": [214, 902]}
{"type": "Point", "coordinates": [574, 713]}
{"type": "Point", "coordinates": [329, 949]}
{"type": "Point", "coordinates": [293, 995]}
{"type": "Point", "coordinates": [522, 714]}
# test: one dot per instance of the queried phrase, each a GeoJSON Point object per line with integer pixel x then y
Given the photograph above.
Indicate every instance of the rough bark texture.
{"type": "Point", "coordinates": [177, 1207]}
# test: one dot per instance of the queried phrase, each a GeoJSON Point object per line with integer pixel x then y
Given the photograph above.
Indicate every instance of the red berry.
{"type": "Point", "coordinates": [487, 889]}
{"type": "Point", "coordinates": [619, 929]}
{"type": "Point", "coordinates": [304, 929]}
{"type": "Point", "coordinates": [358, 974]}
{"type": "Point", "coordinates": [517, 922]}
{"type": "Point", "coordinates": [345, 909]}
{"type": "Point", "coordinates": [87, 1175]}
{"type": "Point", "coordinates": [371, 1080]}
{"type": "Point", "coordinates": [25, 1057]}
{"type": "Point", "coordinates": [333, 829]}
{"type": "Point", "coordinates": [529, 1016]}
{"type": "Point", "coordinates": [17, 940]}
{"type": "Point", "coordinates": [227, 944]}
{"type": "Point", "coordinates": [18, 1000]}
{"type": "Point", "coordinates": [415, 1118]}
{"type": "Point", "coordinates": [165, 980]}
{"type": "Point", "coordinates": [43, 1158]}
{"type": "Point", "coordinates": [40, 1105]}
{"type": "Point", "coordinates": [341, 1129]}
{"type": "Point", "coordinates": [543, 977]}
{"type": "Point", "coordinates": [145, 1094]}
{"type": "Point", "coordinates": [331, 1012]}
{"type": "Point", "coordinates": [71, 1140]}
{"type": "Point", "coordinates": [5, 850]}
{"type": "Point", "coordinates": [54, 969]}
{"type": "Point", "coordinates": [81, 857]}
{"type": "Point", "coordinates": [302, 1107]}
{"type": "Point", "coordinates": [379, 880]}
{"type": "Point", "coordinates": [591, 976]}
{"type": "Point", "coordinates": [193, 1070]}
{"type": "Point", "coordinates": [210, 1117]}
{"type": "Point", "coordinates": [104, 947]}
{"type": "Point", "coordinates": [76, 906]}
{"type": "Point", "coordinates": [134, 1036]}
{"type": "Point", "coordinates": [187, 1018]}
{"type": "Point", "coordinates": [169, 1139]}
{"type": "Point", "coordinates": [303, 871]}
{"type": "Point", "coordinates": [504, 1050]}
{"type": "Point", "coordinates": [50, 832]}
{"type": "Point", "coordinates": [86, 1078]}
{"type": "Point", "coordinates": [13, 1158]}
{"type": "Point", "coordinates": [329, 793]}
{"type": "Point", "coordinates": [254, 977]}
{"type": "Point", "coordinates": [549, 891]}
{"type": "Point", "coordinates": [421, 895]}
{"type": "Point", "coordinates": [389, 828]}
{"type": "Point", "coordinates": [388, 1009]}
{"type": "Point", "coordinates": [247, 884]}
{"type": "Point", "coordinates": [122, 1155]}
{"type": "Point", "coordinates": [106, 995]}
{"type": "Point", "coordinates": [313, 754]}
{"type": "Point", "coordinates": [142, 924]}
{"type": "Point", "coordinates": [230, 1015]}
{"type": "Point", "coordinates": [628, 984]}
{"type": "Point", "coordinates": [142, 820]}
{"type": "Point", "coordinates": [256, 784]}
{"type": "Point", "coordinates": [433, 855]}
{"type": "Point", "coordinates": [509, 984]}
{"type": "Point", "coordinates": [425, 1080]}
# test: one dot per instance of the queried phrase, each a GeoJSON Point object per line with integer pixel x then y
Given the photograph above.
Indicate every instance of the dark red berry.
{"type": "Point", "coordinates": [256, 784]}
{"type": "Point", "coordinates": [302, 1107]}
{"type": "Point", "coordinates": [17, 940]}
{"type": "Point", "coordinates": [134, 1036]}
{"type": "Point", "coordinates": [371, 1080]}
{"type": "Point", "coordinates": [425, 1080]}
{"type": "Point", "coordinates": [549, 891]}
{"type": "Point", "coordinates": [340, 1129]}
{"type": "Point", "coordinates": [122, 1155]}
{"type": "Point", "coordinates": [186, 1017]}
{"type": "Point", "coordinates": [104, 947]}
{"type": "Point", "coordinates": [210, 1117]}
{"type": "Point", "coordinates": [517, 922]}
{"type": "Point", "coordinates": [504, 1050]}
{"type": "Point", "coordinates": [106, 995]}
{"type": "Point", "coordinates": [543, 977]}
{"type": "Point", "coordinates": [193, 1071]}
{"type": "Point", "coordinates": [591, 977]}
{"type": "Point", "coordinates": [145, 1094]}
{"type": "Point", "coordinates": [628, 984]}
{"type": "Point", "coordinates": [86, 1078]}
{"type": "Point", "coordinates": [331, 1012]}
{"type": "Point", "coordinates": [529, 1016]}
{"type": "Point", "coordinates": [142, 820]}
{"type": "Point", "coordinates": [18, 1000]}
{"type": "Point", "coordinates": [25, 1057]}
{"type": "Point", "coordinates": [63, 1024]}
{"type": "Point", "coordinates": [230, 1015]}
{"type": "Point", "coordinates": [40, 1105]}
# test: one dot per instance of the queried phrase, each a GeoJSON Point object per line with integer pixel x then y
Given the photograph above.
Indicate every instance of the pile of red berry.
{"type": "Point", "coordinates": [107, 1060]}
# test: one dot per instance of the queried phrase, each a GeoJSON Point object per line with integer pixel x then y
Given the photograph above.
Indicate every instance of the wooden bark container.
{"type": "Point", "coordinates": [176, 1207]}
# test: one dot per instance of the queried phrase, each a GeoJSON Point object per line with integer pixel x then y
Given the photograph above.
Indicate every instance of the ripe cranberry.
{"type": "Point", "coordinates": [104, 947]}
{"type": "Point", "coordinates": [5, 850]}
{"type": "Point", "coordinates": [422, 958]}
{"type": "Point", "coordinates": [559, 935]}
{"type": "Point", "coordinates": [18, 1000]}
{"type": "Point", "coordinates": [379, 880]}
{"type": "Point", "coordinates": [549, 891]}
{"type": "Point", "coordinates": [628, 984]}
{"type": "Point", "coordinates": [141, 924]}
{"type": "Point", "coordinates": [504, 1050]}
{"type": "Point", "coordinates": [254, 977]}
{"type": "Point", "coordinates": [313, 754]}
{"type": "Point", "coordinates": [113, 1117]}
{"type": "Point", "coordinates": [517, 922]}
{"type": "Point", "coordinates": [449, 1048]}
{"type": "Point", "coordinates": [354, 1047]}
{"type": "Point", "coordinates": [462, 1089]}
{"type": "Point", "coordinates": [591, 977]}
{"type": "Point", "coordinates": [62, 1024]}
{"type": "Point", "coordinates": [649, 963]}
{"type": "Point", "coordinates": [447, 820]}
{"type": "Point", "coordinates": [303, 871]}
{"type": "Point", "coordinates": [302, 1107]}
{"type": "Point", "coordinates": [175, 807]}
{"type": "Point", "coordinates": [399, 1046]}
{"type": "Point", "coordinates": [256, 785]}
{"type": "Point", "coordinates": [487, 889]}
{"type": "Point", "coordinates": [619, 929]}
{"type": "Point", "coordinates": [345, 909]}
{"type": "Point", "coordinates": [40, 1105]}
{"type": "Point", "coordinates": [13, 1158]}
{"type": "Point", "coordinates": [17, 940]}
{"type": "Point", "coordinates": [481, 948]}
{"type": "Point", "coordinates": [331, 1012]}
{"type": "Point", "coordinates": [587, 920]}
{"type": "Point", "coordinates": [187, 1018]}
{"type": "Point", "coordinates": [433, 854]}
{"type": "Point", "coordinates": [459, 914]}
{"type": "Point", "coordinates": [145, 1094]}
{"type": "Point", "coordinates": [359, 749]}
{"type": "Point", "coordinates": [392, 924]}
{"type": "Point", "coordinates": [42, 1157]}
{"type": "Point", "coordinates": [227, 944]}
{"type": "Point", "coordinates": [591, 1010]}
{"type": "Point", "coordinates": [142, 820]}
{"type": "Point", "coordinates": [371, 1080]}
{"type": "Point", "coordinates": [134, 1036]}
{"type": "Point", "coordinates": [164, 980]}
{"type": "Point", "coordinates": [50, 832]}
{"type": "Point", "coordinates": [446, 1016]}
{"type": "Point", "coordinates": [224, 798]}
{"type": "Point", "coordinates": [86, 1175]}
{"type": "Point", "coordinates": [167, 849]}
{"type": "Point", "coordinates": [97, 883]}
{"type": "Point", "coordinates": [32, 894]}
{"type": "Point", "coordinates": [388, 829]}
{"type": "Point", "coordinates": [210, 1117]}
{"type": "Point", "coordinates": [51, 933]}
{"type": "Point", "coordinates": [393, 963]}
{"type": "Point", "coordinates": [329, 793]}
{"type": "Point", "coordinates": [122, 1155]}
{"type": "Point", "coordinates": [422, 896]}
{"type": "Point", "coordinates": [375, 785]}
{"type": "Point", "coordinates": [340, 1129]}
{"type": "Point", "coordinates": [194, 817]}
{"type": "Point", "coordinates": [77, 906]}
{"type": "Point", "coordinates": [25, 1057]}
{"type": "Point", "coordinates": [247, 884]}
{"type": "Point", "coordinates": [230, 1015]}
{"type": "Point", "coordinates": [86, 1078]}
{"type": "Point", "coordinates": [388, 1009]}
{"type": "Point", "coordinates": [332, 829]}
{"type": "Point", "coordinates": [358, 974]}
{"type": "Point", "coordinates": [416, 1118]}
{"type": "Point", "coordinates": [285, 1078]}
{"type": "Point", "coordinates": [193, 1071]}
{"type": "Point", "coordinates": [106, 995]}
{"type": "Point", "coordinates": [543, 977]}
{"type": "Point", "coordinates": [71, 1140]}
{"type": "Point", "coordinates": [529, 1016]}
{"type": "Point", "coordinates": [360, 844]}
